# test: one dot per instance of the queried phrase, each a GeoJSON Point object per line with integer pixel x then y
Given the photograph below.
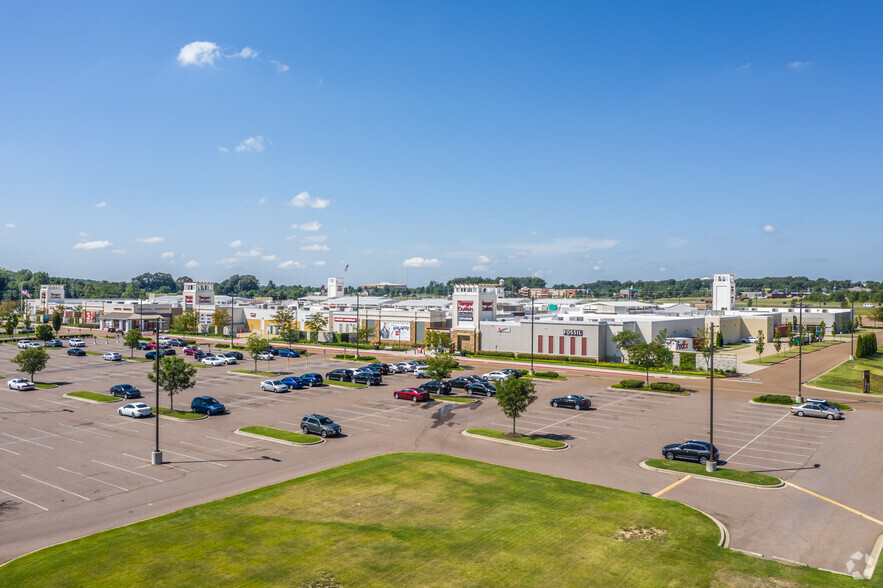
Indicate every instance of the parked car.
{"type": "Point", "coordinates": [200, 355]}
{"type": "Point", "coordinates": [817, 409]}
{"type": "Point", "coordinates": [272, 350]}
{"type": "Point", "coordinates": [213, 360]}
{"type": "Point", "coordinates": [289, 353]}
{"type": "Point", "coordinates": [166, 350]}
{"type": "Point", "coordinates": [481, 388]}
{"type": "Point", "coordinates": [407, 366]}
{"type": "Point", "coordinates": [396, 368]}
{"type": "Point", "coordinates": [462, 381]}
{"type": "Point", "coordinates": [313, 378]}
{"type": "Point", "coordinates": [21, 384]}
{"type": "Point", "coordinates": [192, 349]}
{"type": "Point", "coordinates": [53, 343]}
{"type": "Point", "coordinates": [512, 372]}
{"type": "Point", "coordinates": [207, 405]}
{"type": "Point", "coordinates": [691, 450]}
{"type": "Point", "coordinates": [143, 346]}
{"type": "Point", "coordinates": [264, 356]}
{"type": "Point", "coordinates": [75, 351]}
{"type": "Point", "coordinates": [152, 354]}
{"type": "Point", "coordinates": [573, 401]}
{"type": "Point", "coordinates": [316, 424]}
{"type": "Point", "coordinates": [177, 342]}
{"type": "Point", "coordinates": [227, 358]}
{"type": "Point", "coordinates": [342, 375]}
{"type": "Point", "coordinates": [112, 356]}
{"type": "Point", "coordinates": [274, 386]}
{"type": "Point", "coordinates": [436, 387]}
{"type": "Point", "coordinates": [420, 372]}
{"type": "Point", "coordinates": [76, 342]}
{"type": "Point", "coordinates": [368, 378]}
{"type": "Point", "coordinates": [24, 344]}
{"type": "Point", "coordinates": [293, 382]}
{"type": "Point", "coordinates": [135, 410]}
{"type": "Point", "coordinates": [125, 391]}
{"type": "Point", "coordinates": [235, 354]}
{"type": "Point", "coordinates": [749, 340]}
{"type": "Point", "coordinates": [383, 367]}
{"type": "Point", "coordinates": [33, 345]}
{"type": "Point", "coordinates": [496, 376]}
{"type": "Point", "coordinates": [412, 394]}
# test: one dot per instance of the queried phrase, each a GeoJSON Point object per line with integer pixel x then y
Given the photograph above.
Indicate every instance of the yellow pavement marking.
{"type": "Point", "coordinates": [670, 486]}
{"type": "Point", "coordinates": [834, 502]}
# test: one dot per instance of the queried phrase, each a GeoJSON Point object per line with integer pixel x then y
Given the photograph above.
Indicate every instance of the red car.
{"type": "Point", "coordinates": [412, 394]}
{"type": "Point", "coordinates": [192, 350]}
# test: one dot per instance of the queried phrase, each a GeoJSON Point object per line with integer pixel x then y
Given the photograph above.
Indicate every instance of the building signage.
{"type": "Point", "coordinates": [344, 319]}
{"type": "Point", "coordinates": [89, 315]}
{"type": "Point", "coordinates": [252, 314]}
{"type": "Point", "coordinates": [188, 299]}
{"type": "Point", "coordinates": [464, 311]}
{"type": "Point", "coordinates": [573, 332]}
{"type": "Point", "coordinates": [205, 299]}
{"type": "Point", "coordinates": [487, 306]}
{"type": "Point", "coordinates": [504, 330]}
{"type": "Point", "coordinates": [395, 330]}
{"type": "Point", "coordinates": [55, 296]}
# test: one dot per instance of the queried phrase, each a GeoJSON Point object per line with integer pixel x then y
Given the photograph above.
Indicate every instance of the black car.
{"type": "Point", "coordinates": [152, 354]}
{"type": "Point", "coordinates": [207, 405]}
{"type": "Point", "coordinates": [313, 379]}
{"type": "Point", "coordinates": [177, 342]}
{"type": "Point", "coordinates": [53, 343]}
{"type": "Point", "coordinates": [272, 350]}
{"type": "Point", "coordinates": [573, 401]}
{"type": "Point", "coordinates": [144, 346]}
{"type": "Point", "coordinates": [75, 351]}
{"type": "Point", "coordinates": [383, 367]}
{"type": "Point", "coordinates": [125, 391]}
{"type": "Point", "coordinates": [236, 354]}
{"type": "Point", "coordinates": [481, 388]}
{"type": "Point", "coordinates": [317, 424]}
{"type": "Point", "coordinates": [512, 372]}
{"type": "Point", "coordinates": [166, 350]}
{"type": "Point", "coordinates": [463, 381]}
{"type": "Point", "coordinates": [369, 378]}
{"type": "Point", "coordinates": [343, 375]}
{"type": "Point", "coordinates": [692, 450]}
{"type": "Point", "coordinates": [436, 387]}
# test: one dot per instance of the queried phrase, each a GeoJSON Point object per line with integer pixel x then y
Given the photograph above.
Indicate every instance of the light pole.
{"type": "Point", "coordinates": [799, 398]}
{"type": "Point", "coordinates": [232, 329]}
{"type": "Point", "coordinates": [711, 464]}
{"type": "Point", "coordinates": [156, 456]}
{"type": "Point", "coordinates": [531, 332]}
{"type": "Point", "coordinates": [851, 328]}
{"type": "Point", "coordinates": [358, 325]}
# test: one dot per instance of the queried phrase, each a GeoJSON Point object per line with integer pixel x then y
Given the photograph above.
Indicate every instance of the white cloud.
{"type": "Point", "coordinates": [484, 259]}
{"type": "Point", "coordinates": [768, 228]}
{"type": "Point", "coordinates": [247, 53]}
{"type": "Point", "coordinates": [167, 255]}
{"type": "Point", "coordinates": [251, 144]}
{"type": "Point", "coordinates": [315, 248]}
{"type": "Point", "coordinates": [799, 65]}
{"type": "Point", "coordinates": [596, 268]}
{"type": "Point", "coordinates": [746, 65]}
{"type": "Point", "coordinates": [236, 244]}
{"type": "Point", "coordinates": [291, 237]}
{"type": "Point", "coordinates": [480, 268]}
{"type": "Point", "coordinates": [93, 245]}
{"type": "Point", "coordinates": [101, 204]}
{"type": "Point", "coordinates": [84, 234]}
{"type": "Point", "coordinates": [315, 238]}
{"type": "Point", "coordinates": [229, 262]}
{"type": "Point", "coordinates": [10, 225]}
{"type": "Point", "coordinates": [150, 240]}
{"type": "Point", "coordinates": [304, 199]}
{"type": "Point", "coordinates": [223, 149]}
{"type": "Point", "coordinates": [310, 226]}
{"type": "Point", "coordinates": [562, 245]}
{"type": "Point", "coordinates": [118, 251]}
{"type": "Point", "coordinates": [662, 269]}
{"type": "Point", "coordinates": [420, 262]}
{"type": "Point", "coordinates": [290, 265]}
{"type": "Point", "coordinates": [270, 257]}
{"type": "Point", "coordinates": [253, 252]}
{"type": "Point", "coordinates": [319, 263]}
{"type": "Point", "coordinates": [199, 53]}
{"type": "Point", "coordinates": [262, 200]}
{"type": "Point", "coordinates": [677, 242]}
{"type": "Point", "coordinates": [192, 263]}
{"type": "Point", "coordinates": [280, 67]}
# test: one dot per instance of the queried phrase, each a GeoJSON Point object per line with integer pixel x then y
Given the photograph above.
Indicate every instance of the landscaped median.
{"type": "Point", "coordinates": [180, 415]}
{"type": "Point", "coordinates": [721, 474]}
{"type": "Point", "coordinates": [44, 385]}
{"type": "Point", "coordinates": [92, 396]}
{"type": "Point", "coordinates": [345, 384]}
{"type": "Point", "coordinates": [258, 373]}
{"type": "Point", "coordinates": [785, 400]}
{"type": "Point", "coordinates": [661, 387]}
{"type": "Point", "coordinates": [532, 441]}
{"type": "Point", "coordinates": [280, 435]}
{"type": "Point", "coordinates": [458, 399]}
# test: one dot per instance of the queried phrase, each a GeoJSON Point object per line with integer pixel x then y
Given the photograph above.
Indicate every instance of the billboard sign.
{"type": "Point", "coordinates": [464, 311]}
{"type": "Point", "coordinates": [344, 319]}
{"type": "Point", "coordinates": [395, 331]}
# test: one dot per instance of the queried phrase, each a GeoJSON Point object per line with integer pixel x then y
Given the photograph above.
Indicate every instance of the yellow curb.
{"type": "Point", "coordinates": [672, 485]}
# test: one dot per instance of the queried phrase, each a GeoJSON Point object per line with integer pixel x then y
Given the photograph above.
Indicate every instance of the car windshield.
{"type": "Point", "coordinates": [325, 421]}
{"type": "Point", "coordinates": [211, 400]}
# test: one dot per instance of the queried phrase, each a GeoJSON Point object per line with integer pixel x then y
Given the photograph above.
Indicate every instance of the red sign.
{"type": "Point", "coordinates": [344, 319]}
{"type": "Point", "coordinates": [205, 299]}
{"type": "Point", "coordinates": [487, 306]}
{"type": "Point", "coordinates": [89, 315]}
{"type": "Point", "coordinates": [55, 296]}
{"type": "Point", "coordinates": [252, 315]}
{"type": "Point", "coordinates": [188, 299]}
{"type": "Point", "coordinates": [43, 294]}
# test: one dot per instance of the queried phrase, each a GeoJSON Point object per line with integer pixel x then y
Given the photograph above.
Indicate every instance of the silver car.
{"type": "Point", "coordinates": [817, 409]}
{"type": "Point", "coordinates": [274, 386]}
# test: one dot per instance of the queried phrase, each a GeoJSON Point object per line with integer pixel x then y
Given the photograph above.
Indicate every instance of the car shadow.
{"type": "Point", "coordinates": [555, 437]}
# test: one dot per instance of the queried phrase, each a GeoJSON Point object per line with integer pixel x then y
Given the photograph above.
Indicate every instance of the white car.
{"type": "Point", "coordinates": [228, 359]}
{"type": "Point", "coordinates": [496, 376]}
{"type": "Point", "coordinates": [77, 343]}
{"type": "Point", "coordinates": [24, 344]}
{"type": "Point", "coordinates": [213, 360]}
{"type": "Point", "coordinates": [33, 345]}
{"type": "Point", "coordinates": [135, 410]}
{"type": "Point", "coordinates": [274, 386]}
{"type": "Point", "coordinates": [21, 384]}
{"type": "Point", "coordinates": [421, 372]}
{"type": "Point", "coordinates": [112, 356]}
{"type": "Point", "coordinates": [264, 356]}
{"type": "Point", "coordinates": [749, 340]}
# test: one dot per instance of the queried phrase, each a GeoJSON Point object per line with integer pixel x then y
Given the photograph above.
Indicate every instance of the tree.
{"type": "Point", "coordinates": [220, 319]}
{"type": "Point", "coordinates": [27, 321]}
{"type": "Point", "coordinates": [132, 338]}
{"type": "Point", "coordinates": [760, 343]}
{"type": "Point", "coordinates": [13, 320]}
{"type": "Point", "coordinates": [719, 338]}
{"type": "Point", "coordinates": [440, 366]}
{"type": "Point", "coordinates": [514, 395]}
{"type": "Point", "coordinates": [31, 361]}
{"type": "Point", "coordinates": [649, 355]}
{"type": "Point", "coordinates": [44, 332]}
{"type": "Point", "coordinates": [175, 375]}
{"type": "Point", "coordinates": [789, 337]}
{"type": "Point", "coordinates": [777, 343]}
{"type": "Point", "coordinates": [625, 340]}
{"type": "Point", "coordinates": [254, 345]}
{"type": "Point", "coordinates": [702, 340]}
{"type": "Point", "coordinates": [57, 318]}
{"type": "Point", "coordinates": [438, 339]}
{"type": "Point", "coordinates": [286, 325]}
{"type": "Point", "coordinates": [186, 321]}
{"type": "Point", "coordinates": [77, 313]}
{"type": "Point", "coordinates": [876, 314]}
{"type": "Point", "coordinates": [822, 327]}
{"type": "Point", "coordinates": [363, 334]}
{"type": "Point", "coordinates": [314, 324]}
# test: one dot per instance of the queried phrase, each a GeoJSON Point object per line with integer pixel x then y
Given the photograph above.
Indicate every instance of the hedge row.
{"type": "Point", "coordinates": [865, 345]}
{"type": "Point", "coordinates": [666, 386]}
{"type": "Point", "coordinates": [774, 399]}
{"type": "Point", "coordinates": [632, 383]}
{"type": "Point", "coordinates": [688, 361]}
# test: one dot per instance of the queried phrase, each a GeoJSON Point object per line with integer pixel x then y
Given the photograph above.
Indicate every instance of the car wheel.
{"type": "Point", "coordinates": [488, 393]}
{"type": "Point", "coordinates": [800, 413]}
{"type": "Point", "coordinates": [830, 417]}
{"type": "Point", "coordinates": [132, 415]}
{"type": "Point", "coordinates": [555, 404]}
{"type": "Point", "coordinates": [306, 430]}
{"type": "Point", "coordinates": [669, 455]}
{"type": "Point", "coordinates": [703, 460]}
{"type": "Point", "coordinates": [414, 398]}
{"type": "Point", "coordinates": [396, 395]}
{"type": "Point", "coordinates": [324, 433]}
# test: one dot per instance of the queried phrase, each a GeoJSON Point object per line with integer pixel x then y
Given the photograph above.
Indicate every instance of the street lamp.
{"type": "Point", "coordinates": [156, 456]}
{"type": "Point", "coordinates": [851, 328]}
{"type": "Point", "coordinates": [711, 464]}
{"type": "Point", "coordinates": [358, 325]}
{"type": "Point", "coordinates": [232, 329]}
{"type": "Point", "coordinates": [530, 294]}
{"type": "Point", "coordinates": [799, 398]}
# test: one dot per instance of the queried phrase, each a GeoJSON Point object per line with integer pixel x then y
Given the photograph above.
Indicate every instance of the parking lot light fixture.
{"type": "Point", "coordinates": [531, 332]}
{"type": "Point", "coordinates": [711, 464]}
{"type": "Point", "coordinates": [799, 397]}
{"type": "Point", "coordinates": [156, 456]}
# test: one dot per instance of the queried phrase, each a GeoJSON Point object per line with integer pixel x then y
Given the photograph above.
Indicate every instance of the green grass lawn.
{"type": "Point", "coordinates": [724, 473]}
{"type": "Point", "coordinates": [280, 434]}
{"type": "Point", "coordinates": [452, 398]}
{"type": "Point", "coordinates": [415, 520]}
{"type": "Point", "coordinates": [681, 392]}
{"type": "Point", "coordinates": [526, 439]}
{"type": "Point", "coordinates": [345, 384]}
{"type": "Point", "coordinates": [178, 414]}
{"type": "Point", "coordinates": [785, 400]}
{"type": "Point", "coordinates": [44, 385]}
{"type": "Point", "coordinates": [848, 376]}
{"type": "Point", "coordinates": [93, 396]}
{"type": "Point", "coordinates": [257, 373]}
{"type": "Point", "coordinates": [786, 353]}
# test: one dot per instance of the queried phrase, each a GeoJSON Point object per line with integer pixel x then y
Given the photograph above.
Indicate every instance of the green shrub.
{"type": "Point", "coordinates": [632, 383]}
{"type": "Point", "coordinates": [350, 356]}
{"type": "Point", "coordinates": [688, 361]}
{"type": "Point", "coordinates": [550, 375]}
{"type": "Point", "coordinates": [774, 399]}
{"type": "Point", "coordinates": [666, 386]}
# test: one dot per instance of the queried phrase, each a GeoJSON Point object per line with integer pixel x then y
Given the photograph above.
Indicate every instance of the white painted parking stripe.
{"type": "Point", "coordinates": [750, 433]}
{"type": "Point", "coordinates": [85, 430]}
{"type": "Point", "coordinates": [23, 499]}
{"type": "Point", "coordinates": [54, 486]}
{"type": "Point", "coordinates": [378, 414]}
{"type": "Point", "coordinates": [92, 478]}
{"type": "Point", "coordinates": [196, 458]}
{"type": "Point", "coordinates": [128, 471]}
{"type": "Point", "coordinates": [165, 465]}
{"type": "Point", "coordinates": [509, 426]}
{"type": "Point", "coordinates": [55, 435]}
{"type": "Point", "coordinates": [212, 449]}
{"type": "Point", "coordinates": [784, 416]}
{"type": "Point", "coordinates": [9, 451]}
{"type": "Point", "coordinates": [26, 440]}
{"type": "Point", "coordinates": [238, 443]}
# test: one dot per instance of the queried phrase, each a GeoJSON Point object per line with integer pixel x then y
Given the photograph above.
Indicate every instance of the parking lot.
{"type": "Point", "coordinates": [71, 467]}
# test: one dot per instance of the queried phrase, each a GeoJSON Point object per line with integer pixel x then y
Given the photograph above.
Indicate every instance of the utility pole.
{"type": "Point", "coordinates": [799, 398]}
{"type": "Point", "coordinates": [852, 329]}
{"type": "Point", "coordinates": [156, 456]}
{"type": "Point", "coordinates": [711, 464]}
{"type": "Point", "coordinates": [531, 331]}
{"type": "Point", "coordinates": [358, 325]}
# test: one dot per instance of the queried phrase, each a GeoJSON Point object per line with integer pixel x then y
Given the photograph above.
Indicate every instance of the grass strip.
{"type": "Point", "coordinates": [44, 385]}
{"type": "Point", "coordinates": [254, 373]}
{"type": "Point", "coordinates": [345, 384]}
{"type": "Point", "coordinates": [848, 376]}
{"type": "Point", "coordinates": [280, 434]}
{"type": "Point", "coordinates": [590, 364]}
{"type": "Point", "coordinates": [526, 439]}
{"type": "Point", "coordinates": [649, 389]}
{"type": "Point", "coordinates": [93, 396]}
{"type": "Point", "coordinates": [789, 353]}
{"type": "Point", "coordinates": [178, 414]}
{"type": "Point", "coordinates": [723, 473]}
{"type": "Point", "coordinates": [391, 521]}
{"type": "Point", "coordinates": [783, 400]}
{"type": "Point", "coordinates": [452, 398]}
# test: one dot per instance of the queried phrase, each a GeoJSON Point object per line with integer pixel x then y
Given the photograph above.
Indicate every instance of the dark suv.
{"type": "Point", "coordinates": [436, 387]}
{"type": "Point", "coordinates": [383, 367]}
{"type": "Point", "coordinates": [692, 450]}
{"type": "Point", "coordinates": [125, 391]}
{"type": "Point", "coordinates": [313, 379]}
{"type": "Point", "coordinates": [344, 375]}
{"type": "Point", "coordinates": [317, 424]}
{"type": "Point", "coordinates": [207, 405]}
{"type": "Point", "coordinates": [369, 378]}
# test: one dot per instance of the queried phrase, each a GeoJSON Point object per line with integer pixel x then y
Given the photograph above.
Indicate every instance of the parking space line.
{"type": "Point", "coordinates": [834, 502]}
{"type": "Point", "coordinates": [128, 471]}
{"type": "Point", "coordinates": [92, 478]}
{"type": "Point", "coordinates": [242, 444]}
{"type": "Point", "coordinates": [196, 458]}
{"type": "Point", "coordinates": [165, 465]}
{"type": "Point", "coordinates": [54, 486]}
{"type": "Point", "coordinates": [239, 455]}
{"type": "Point", "coordinates": [9, 451]}
{"type": "Point", "coordinates": [761, 433]}
{"type": "Point", "coordinates": [23, 499]}
{"type": "Point", "coordinates": [672, 485]}
{"type": "Point", "coordinates": [85, 429]}
{"type": "Point", "coordinates": [26, 440]}
{"type": "Point", "coordinates": [55, 435]}
{"type": "Point", "coordinates": [510, 424]}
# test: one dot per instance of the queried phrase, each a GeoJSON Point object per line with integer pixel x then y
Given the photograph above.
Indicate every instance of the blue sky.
{"type": "Point", "coordinates": [414, 141]}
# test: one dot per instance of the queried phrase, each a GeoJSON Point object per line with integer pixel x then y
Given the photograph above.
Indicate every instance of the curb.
{"type": "Point", "coordinates": [282, 441]}
{"type": "Point", "coordinates": [873, 559]}
{"type": "Point", "coordinates": [92, 401]}
{"type": "Point", "coordinates": [725, 533]}
{"type": "Point", "coordinates": [171, 418]}
{"type": "Point", "coordinates": [359, 387]}
{"type": "Point", "coordinates": [861, 394]}
{"type": "Point", "coordinates": [250, 375]}
{"type": "Point", "coordinates": [778, 486]}
{"type": "Point", "coordinates": [788, 406]}
{"type": "Point", "coordinates": [507, 442]}
{"type": "Point", "coordinates": [667, 394]}
{"type": "Point", "coordinates": [471, 401]}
